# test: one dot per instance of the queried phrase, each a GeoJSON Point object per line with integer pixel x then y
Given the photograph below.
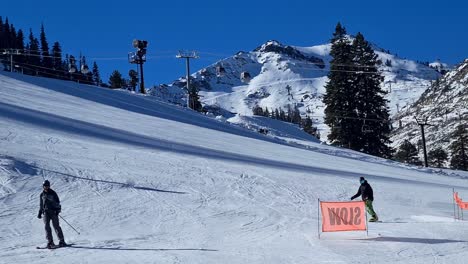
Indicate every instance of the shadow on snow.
{"type": "Point", "coordinates": [86, 129]}
{"type": "Point", "coordinates": [144, 249]}
{"type": "Point", "coordinates": [413, 240]}
{"type": "Point", "coordinates": [110, 182]}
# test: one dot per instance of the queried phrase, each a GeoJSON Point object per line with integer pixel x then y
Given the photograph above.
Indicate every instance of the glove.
{"type": "Point", "coordinates": [39, 215]}
{"type": "Point", "coordinates": [57, 212]}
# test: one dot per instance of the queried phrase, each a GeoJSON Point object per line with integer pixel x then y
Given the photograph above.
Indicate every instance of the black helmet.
{"type": "Point", "coordinates": [46, 183]}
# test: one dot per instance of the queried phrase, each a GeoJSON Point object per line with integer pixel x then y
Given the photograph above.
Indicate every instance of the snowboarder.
{"type": "Point", "coordinates": [50, 208]}
{"type": "Point", "coordinates": [367, 194]}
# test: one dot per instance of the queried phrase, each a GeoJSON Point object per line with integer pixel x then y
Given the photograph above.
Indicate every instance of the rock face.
{"type": "Point", "coordinates": [443, 106]}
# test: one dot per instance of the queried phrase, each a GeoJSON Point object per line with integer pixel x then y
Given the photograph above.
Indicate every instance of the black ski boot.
{"type": "Point", "coordinates": [62, 244]}
{"type": "Point", "coordinates": [51, 245]}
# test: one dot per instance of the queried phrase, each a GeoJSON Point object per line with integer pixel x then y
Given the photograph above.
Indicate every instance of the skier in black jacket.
{"type": "Point", "coordinates": [367, 194]}
{"type": "Point", "coordinates": [49, 207]}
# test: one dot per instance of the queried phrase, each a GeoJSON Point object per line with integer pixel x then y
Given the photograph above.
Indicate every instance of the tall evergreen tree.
{"type": "Point", "coordinates": [19, 41]}
{"type": "Point", "coordinates": [276, 114]}
{"type": "Point", "coordinates": [437, 157]}
{"type": "Point", "coordinates": [266, 112]}
{"type": "Point", "coordinates": [7, 35]}
{"type": "Point", "coordinates": [338, 112]}
{"type": "Point", "coordinates": [133, 81]}
{"type": "Point", "coordinates": [459, 148]}
{"type": "Point", "coordinates": [408, 153]}
{"type": "Point", "coordinates": [19, 44]}
{"type": "Point", "coordinates": [46, 59]}
{"type": "Point", "coordinates": [33, 58]}
{"type": "Point", "coordinates": [57, 63]}
{"type": "Point", "coordinates": [307, 126]}
{"type": "Point", "coordinates": [13, 37]}
{"type": "Point", "coordinates": [355, 108]}
{"type": "Point", "coordinates": [296, 118]}
{"type": "Point", "coordinates": [116, 80]}
{"type": "Point", "coordinates": [2, 34]}
{"type": "Point", "coordinates": [96, 75]}
{"type": "Point", "coordinates": [369, 103]}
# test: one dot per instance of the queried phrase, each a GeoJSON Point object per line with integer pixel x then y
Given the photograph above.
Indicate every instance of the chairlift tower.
{"type": "Point", "coordinates": [422, 121]}
{"type": "Point", "coordinates": [139, 57]}
{"type": "Point", "coordinates": [191, 93]}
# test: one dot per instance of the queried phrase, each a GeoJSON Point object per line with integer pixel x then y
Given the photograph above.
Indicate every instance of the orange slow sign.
{"type": "Point", "coordinates": [343, 216]}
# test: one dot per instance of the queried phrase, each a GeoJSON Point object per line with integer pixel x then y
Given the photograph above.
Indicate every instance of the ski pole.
{"type": "Point", "coordinates": [69, 224]}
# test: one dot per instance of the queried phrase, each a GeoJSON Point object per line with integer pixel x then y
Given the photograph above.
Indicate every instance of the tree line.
{"type": "Point", "coordinates": [34, 57]}
{"type": "Point", "coordinates": [438, 157]}
{"type": "Point", "coordinates": [291, 115]}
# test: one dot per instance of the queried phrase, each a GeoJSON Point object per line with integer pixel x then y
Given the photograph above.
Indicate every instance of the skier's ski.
{"type": "Point", "coordinates": [55, 247]}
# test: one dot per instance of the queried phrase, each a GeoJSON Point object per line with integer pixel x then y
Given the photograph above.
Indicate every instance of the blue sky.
{"type": "Point", "coordinates": [103, 30]}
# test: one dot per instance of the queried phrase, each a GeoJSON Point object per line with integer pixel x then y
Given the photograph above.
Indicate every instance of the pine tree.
{"type": "Point", "coordinates": [13, 37]}
{"type": "Point", "coordinates": [57, 63]}
{"type": "Point", "coordinates": [307, 126]}
{"type": "Point", "coordinates": [282, 114]}
{"type": "Point", "coordinates": [7, 35]}
{"type": "Point", "coordinates": [2, 35]}
{"type": "Point", "coordinates": [437, 157]}
{"type": "Point", "coordinates": [289, 114]}
{"type": "Point", "coordinates": [116, 80]}
{"type": "Point", "coordinates": [33, 58]}
{"type": "Point", "coordinates": [408, 153]}
{"type": "Point", "coordinates": [46, 59]}
{"type": "Point", "coordinates": [257, 110]}
{"type": "Point", "coordinates": [296, 118]}
{"type": "Point", "coordinates": [368, 102]}
{"type": "Point", "coordinates": [459, 148]}
{"type": "Point", "coordinates": [338, 92]}
{"type": "Point", "coordinates": [134, 79]}
{"type": "Point", "coordinates": [276, 114]}
{"type": "Point", "coordinates": [266, 112]}
{"type": "Point", "coordinates": [96, 75]}
{"type": "Point", "coordinates": [19, 44]}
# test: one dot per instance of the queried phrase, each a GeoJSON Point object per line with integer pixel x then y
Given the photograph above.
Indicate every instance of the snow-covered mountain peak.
{"type": "Point", "coordinates": [440, 66]}
{"type": "Point", "coordinates": [284, 76]}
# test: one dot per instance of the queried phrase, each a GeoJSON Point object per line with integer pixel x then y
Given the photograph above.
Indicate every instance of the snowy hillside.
{"type": "Point", "coordinates": [445, 105]}
{"type": "Point", "coordinates": [283, 75]}
{"type": "Point", "coordinates": [145, 181]}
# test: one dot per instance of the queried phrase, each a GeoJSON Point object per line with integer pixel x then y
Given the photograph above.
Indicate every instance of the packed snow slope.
{"type": "Point", "coordinates": [149, 182]}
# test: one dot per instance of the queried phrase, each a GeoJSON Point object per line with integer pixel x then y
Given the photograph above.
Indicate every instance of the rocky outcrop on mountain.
{"type": "Point", "coordinates": [443, 107]}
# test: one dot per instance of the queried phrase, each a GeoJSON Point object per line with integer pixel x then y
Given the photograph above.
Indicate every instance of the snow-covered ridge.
{"type": "Point", "coordinates": [285, 76]}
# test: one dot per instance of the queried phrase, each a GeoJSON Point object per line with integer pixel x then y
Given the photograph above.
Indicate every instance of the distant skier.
{"type": "Point", "coordinates": [365, 190]}
{"type": "Point", "coordinates": [50, 207]}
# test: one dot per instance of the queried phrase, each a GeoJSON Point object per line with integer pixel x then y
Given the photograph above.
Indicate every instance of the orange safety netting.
{"type": "Point", "coordinates": [343, 216]}
{"type": "Point", "coordinates": [460, 203]}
